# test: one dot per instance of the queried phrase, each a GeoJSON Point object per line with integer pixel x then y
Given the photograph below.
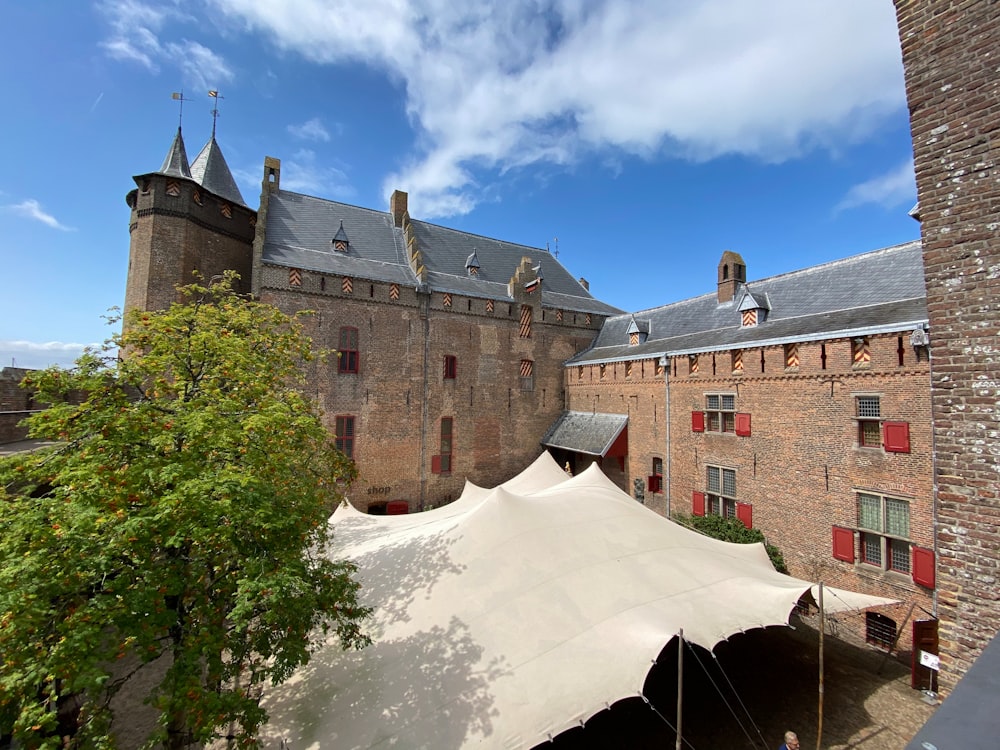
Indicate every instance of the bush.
{"type": "Point", "coordinates": [733, 530]}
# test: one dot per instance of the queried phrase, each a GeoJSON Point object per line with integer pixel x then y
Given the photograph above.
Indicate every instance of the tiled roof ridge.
{"type": "Point", "coordinates": [334, 202]}
{"type": "Point", "coordinates": [798, 272]}
{"type": "Point", "coordinates": [484, 237]}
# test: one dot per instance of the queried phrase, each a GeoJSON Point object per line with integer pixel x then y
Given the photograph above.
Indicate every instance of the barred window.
{"type": "Point", "coordinates": [344, 435]}
{"type": "Point", "coordinates": [869, 413]}
{"type": "Point", "coordinates": [348, 350]}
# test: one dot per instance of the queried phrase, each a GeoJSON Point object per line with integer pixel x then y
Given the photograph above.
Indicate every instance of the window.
{"type": "Point", "coordinates": [450, 366]}
{"type": "Point", "coordinates": [880, 630]}
{"type": "Point", "coordinates": [655, 481]}
{"type": "Point", "coordinates": [720, 412]}
{"type": "Point", "coordinates": [527, 375]}
{"type": "Point", "coordinates": [720, 498]}
{"type": "Point", "coordinates": [348, 350]}
{"type": "Point", "coordinates": [446, 432]}
{"type": "Point", "coordinates": [869, 414]}
{"type": "Point", "coordinates": [884, 524]}
{"type": "Point", "coordinates": [344, 436]}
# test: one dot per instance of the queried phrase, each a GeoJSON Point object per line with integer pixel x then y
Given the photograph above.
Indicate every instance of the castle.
{"type": "Point", "coordinates": [813, 405]}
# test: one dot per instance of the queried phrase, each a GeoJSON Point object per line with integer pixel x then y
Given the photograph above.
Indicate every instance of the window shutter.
{"type": "Point", "coordinates": [653, 483]}
{"type": "Point", "coordinates": [697, 421]}
{"type": "Point", "coordinates": [843, 544]}
{"type": "Point", "coordinates": [923, 567]}
{"type": "Point", "coordinates": [698, 504]}
{"type": "Point", "coordinates": [744, 512]}
{"type": "Point", "coordinates": [896, 437]}
{"type": "Point", "coordinates": [743, 425]}
{"type": "Point", "coordinates": [435, 464]}
{"type": "Point", "coordinates": [397, 507]}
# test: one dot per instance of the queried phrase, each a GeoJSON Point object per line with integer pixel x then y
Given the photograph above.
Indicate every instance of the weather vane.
{"type": "Point", "coordinates": [178, 96]}
{"type": "Point", "coordinates": [214, 93]}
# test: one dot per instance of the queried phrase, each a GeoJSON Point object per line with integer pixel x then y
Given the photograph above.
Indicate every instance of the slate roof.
{"type": "Point", "coordinates": [585, 432]}
{"type": "Point", "coordinates": [300, 230]}
{"type": "Point", "coordinates": [176, 162]}
{"type": "Point", "coordinates": [876, 292]}
{"type": "Point", "coordinates": [210, 170]}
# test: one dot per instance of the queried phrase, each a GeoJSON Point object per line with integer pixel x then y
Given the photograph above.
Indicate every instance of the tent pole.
{"type": "Point", "coordinates": [822, 628]}
{"type": "Point", "coordinates": [680, 683]}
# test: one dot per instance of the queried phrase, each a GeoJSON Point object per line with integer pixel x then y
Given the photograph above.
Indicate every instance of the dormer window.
{"type": "Point", "coordinates": [340, 242]}
{"type": "Point", "coordinates": [638, 332]}
{"type": "Point", "coordinates": [753, 309]}
{"type": "Point", "coordinates": [472, 264]}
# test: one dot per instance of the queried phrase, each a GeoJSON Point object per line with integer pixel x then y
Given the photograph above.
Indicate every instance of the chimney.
{"type": "Point", "coordinates": [272, 174]}
{"type": "Point", "coordinates": [732, 275]}
{"type": "Point", "coordinates": [584, 283]}
{"type": "Point", "coordinates": [397, 207]}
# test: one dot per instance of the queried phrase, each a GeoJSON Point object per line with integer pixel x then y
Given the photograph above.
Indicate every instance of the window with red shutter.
{"type": "Point", "coordinates": [698, 503]}
{"type": "Point", "coordinates": [896, 437]}
{"type": "Point", "coordinates": [743, 425]}
{"type": "Point", "coordinates": [843, 544]}
{"type": "Point", "coordinates": [744, 512]}
{"type": "Point", "coordinates": [435, 464]}
{"type": "Point", "coordinates": [653, 483]}
{"type": "Point", "coordinates": [923, 567]}
{"type": "Point", "coordinates": [697, 421]}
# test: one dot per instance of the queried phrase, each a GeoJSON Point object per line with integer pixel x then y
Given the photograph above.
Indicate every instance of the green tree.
{"type": "Point", "coordinates": [180, 518]}
{"type": "Point", "coordinates": [733, 530]}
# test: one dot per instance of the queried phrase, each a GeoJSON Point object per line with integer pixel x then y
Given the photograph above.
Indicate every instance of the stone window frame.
{"type": "Point", "coordinates": [344, 434]}
{"type": "Point", "coordinates": [884, 532]}
{"type": "Point", "coordinates": [720, 491]}
{"type": "Point", "coordinates": [720, 412]}
{"type": "Point", "coordinates": [348, 353]}
{"type": "Point", "coordinates": [868, 417]}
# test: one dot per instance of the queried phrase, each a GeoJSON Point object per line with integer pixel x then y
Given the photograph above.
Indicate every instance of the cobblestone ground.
{"type": "Point", "coordinates": [763, 683]}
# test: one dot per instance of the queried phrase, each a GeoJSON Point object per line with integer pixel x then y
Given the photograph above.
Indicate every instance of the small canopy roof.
{"type": "Point", "coordinates": [585, 432]}
{"type": "Point", "coordinates": [515, 613]}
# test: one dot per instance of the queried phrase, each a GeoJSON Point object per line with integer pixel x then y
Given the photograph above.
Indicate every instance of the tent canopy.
{"type": "Point", "coordinates": [513, 614]}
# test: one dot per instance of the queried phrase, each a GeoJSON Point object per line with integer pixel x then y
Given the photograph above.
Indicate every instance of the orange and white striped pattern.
{"type": "Point", "coordinates": [525, 330]}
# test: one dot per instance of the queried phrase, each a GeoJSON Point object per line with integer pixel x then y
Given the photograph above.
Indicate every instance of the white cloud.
{"type": "Point", "coordinates": [495, 86]}
{"type": "Point", "coordinates": [32, 209]}
{"type": "Point", "coordinates": [311, 130]}
{"type": "Point", "coordinates": [37, 355]}
{"type": "Point", "coordinates": [136, 28]}
{"type": "Point", "coordinates": [888, 190]}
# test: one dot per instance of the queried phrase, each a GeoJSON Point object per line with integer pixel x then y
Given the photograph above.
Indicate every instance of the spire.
{"type": "Point", "coordinates": [176, 163]}
{"type": "Point", "coordinates": [210, 170]}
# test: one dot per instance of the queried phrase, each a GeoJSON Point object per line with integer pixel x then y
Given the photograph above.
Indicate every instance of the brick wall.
{"type": "Point", "coordinates": [172, 235]}
{"type": "Point", "coordinates": [16, 403]}
{"type": "Point", "coordinates": [800, 469]}
{"type": "Point", "coordinates": [400, 394]}
{"type": "Point", "coordinates": [950, 54]}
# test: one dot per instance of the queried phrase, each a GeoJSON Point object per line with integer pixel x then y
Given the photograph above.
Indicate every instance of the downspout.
{"type": "Point", "coordinates": [666, 430]}
{"type": "Point", "coordinates": [424, 298]}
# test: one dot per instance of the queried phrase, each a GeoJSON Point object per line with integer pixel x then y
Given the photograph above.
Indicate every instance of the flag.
{"type": "Point", "coordinates": [214, 94]}
{"type": "Point", "coordinates": [176, 95]}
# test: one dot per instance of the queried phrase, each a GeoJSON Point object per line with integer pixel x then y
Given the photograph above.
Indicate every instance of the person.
{"type": "Point", "coordinates": [791, 742]}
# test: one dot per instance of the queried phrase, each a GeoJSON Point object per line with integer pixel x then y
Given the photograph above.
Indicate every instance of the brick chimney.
{"type": "Point", "coordinates": [584, 283]}
{"type": "Point", "coordinates": [397, 207]}
{"type": "Point", "coordinates": [732, 275]}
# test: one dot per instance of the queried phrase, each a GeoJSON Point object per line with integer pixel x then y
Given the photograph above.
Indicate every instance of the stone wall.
{"type": "Point", "coordinates": [950, 52]}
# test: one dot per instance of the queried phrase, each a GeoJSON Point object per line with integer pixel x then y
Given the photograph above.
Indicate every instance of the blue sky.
{"type": "Point", "coordinates": [641, 138]}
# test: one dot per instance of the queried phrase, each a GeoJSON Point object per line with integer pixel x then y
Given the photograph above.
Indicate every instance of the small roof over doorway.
{"type": "Point", "coordinates": [585, 432]}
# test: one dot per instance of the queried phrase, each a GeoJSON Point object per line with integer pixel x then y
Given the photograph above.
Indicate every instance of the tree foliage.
{"type": "Point", "coordinates": [181, 518]}
{"type": "Point", "coordinates": [733, 530]}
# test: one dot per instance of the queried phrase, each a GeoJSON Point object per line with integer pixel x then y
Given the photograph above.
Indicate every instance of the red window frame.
{"type": "Point", "coordinates": [348, 351]}
{"type": "Point", "coordinates": [344, 434]}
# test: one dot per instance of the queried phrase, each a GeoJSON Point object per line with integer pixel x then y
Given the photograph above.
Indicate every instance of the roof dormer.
{"type": "Point", "coordinates": [472, 264]}
{"type": "Point", "coordinates": [340, 242]}
{"type": "Point", "coordinates": [638, 332]}
{"type": "Point", "coordinates": [753, 309]}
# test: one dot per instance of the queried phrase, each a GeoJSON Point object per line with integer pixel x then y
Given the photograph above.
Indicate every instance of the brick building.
{"type": "Point", "coordinates": [449, 345]}
{"type": "Point", "coordinates": [16, 404]}
{"type": "Point", "coordinates": [799, 404]}
{"type": "Point", "coordinates": [949, 58]}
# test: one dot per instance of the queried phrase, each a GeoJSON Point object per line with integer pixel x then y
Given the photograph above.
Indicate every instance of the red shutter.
{"type": "Point", "coordinates": [896, 437]}
{"type": "Point", "coordinates": [923, 567]}
{"type": "Point", "coordinates": [743, 425]}
{"type": "Point", "coordinates": [397, 507]}
{"type": "Point", "coordinates": [653, 483]}
{"type": "Point", "coordinates": [843, 544]}
{"type": "Point", "coordinates": [744, 512]}
{"type": "Point", "coordinates": [698, 503]}
{"type": "Point", "coordinates": [435, 464]}
{"type": "Point", "coordinates": [697, 421]}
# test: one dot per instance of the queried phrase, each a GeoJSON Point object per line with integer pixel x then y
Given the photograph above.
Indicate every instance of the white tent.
{"type": "Point", "coordinates": [515, 613]}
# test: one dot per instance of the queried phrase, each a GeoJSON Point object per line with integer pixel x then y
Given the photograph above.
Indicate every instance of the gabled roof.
{"type": "Point", "coordinates": [298, 234]}
{"type": "Point", "coordinates": [750, 302]}
{"type": "Point", "coordinates": [211, 172]}
{"type": "Point", "coordinates": [176, 162]}
{"type": "Point", "coordinates": [877, 292]}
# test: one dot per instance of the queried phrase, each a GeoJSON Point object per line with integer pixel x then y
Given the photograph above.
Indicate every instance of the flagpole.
{"type": "Point", "coordinates": [680, 683]}
{"type": "Point", "coordinates": [822, 628]}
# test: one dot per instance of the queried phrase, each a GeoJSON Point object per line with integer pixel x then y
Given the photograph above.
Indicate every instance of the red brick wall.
{"type": "Point", "coordinates": [800, 468]}
{"type": "Point", "coordinates": [400, 395]}
{"type": "Point", "coordinates": [15, 404]}
{"type": "Point", "coordinates": [950, 52]}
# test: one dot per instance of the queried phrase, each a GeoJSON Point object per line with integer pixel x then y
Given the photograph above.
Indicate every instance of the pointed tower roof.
{"type": "Point", "coordinates": [176, 163]}
{"type": "Point", "coordinates": [211, 172]}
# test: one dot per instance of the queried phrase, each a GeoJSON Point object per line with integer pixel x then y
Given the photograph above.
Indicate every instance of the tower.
{"type": "Point", "coordinates": [186, 217]}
